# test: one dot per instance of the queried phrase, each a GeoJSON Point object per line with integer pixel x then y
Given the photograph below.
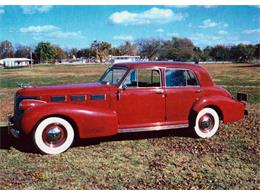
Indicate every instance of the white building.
{"type": "Point", "coordinates": [15, 62]}
{"type": "Point", "coordinates": [120, 59]}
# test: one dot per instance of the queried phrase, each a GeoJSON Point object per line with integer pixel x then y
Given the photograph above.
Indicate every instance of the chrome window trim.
{"type": "Point", "coordinates": [113, 67]}
{"type": "Point", "coordinates": [77, 98]}
{"type": "Point", "coordinates": [187, 86]}
{"type": "Point", "coordinates": [137, 87]}
{"type": "Point", "coordinates": [56, 98]}
{"type": "Point", "coordinates": [96, 97]}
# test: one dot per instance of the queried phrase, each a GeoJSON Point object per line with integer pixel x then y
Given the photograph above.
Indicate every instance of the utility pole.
{"type": "Point", "coordinates": [31, 58]}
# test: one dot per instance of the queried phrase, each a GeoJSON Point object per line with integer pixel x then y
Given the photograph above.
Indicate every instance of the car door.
{"type": "Point", "coordinates": [141, 99]}
{"type": "Point", "coordinates": [182, 90]}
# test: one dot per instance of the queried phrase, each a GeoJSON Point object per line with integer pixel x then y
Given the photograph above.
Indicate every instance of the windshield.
{"type": "Point", "coordinates": [112, 76]}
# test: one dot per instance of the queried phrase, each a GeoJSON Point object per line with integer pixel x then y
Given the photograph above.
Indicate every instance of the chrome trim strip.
{"type": "Point", "coordinates": [155, 128]}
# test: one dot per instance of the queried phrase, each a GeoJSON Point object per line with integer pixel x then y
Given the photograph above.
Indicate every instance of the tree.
{"type": "Point", "coordinates": [45, 52]}
{"type": "Point", "coordinates": [197, 54]}
{"type": "Point", "coordinates": [219, 53]}
{"type": "Point", "coordinates": [185, 48]}
{"type": "Point", "coordinates": [167, 51]}
{"type": "Point", "coordinates": [6, 49]}
{"type": "Point", "coordinates": [128, 49]}
{"type": "Point", "coordinates": [205, 54]}
{"type": "Point", "coordinates": [242, 52]}
{"type": "Point", "coordinates": [148, 48]}
{"type": "Point", "coordinates": [73, 53]}
{"type": "Point", "coordinates": [60, 54]}
{"type": "Point", "coordinates": [257, 51]}
{"type": "Point", "coordinates": [178, 49]}
{"type": "Point", "coordinates": [101, 49]}
{"type": "Point", "coordinates": [83, 53]}
{"type": "Point", "coordinates": [23, 51]}
{"type": "Point", "coordinates": [114, 51]}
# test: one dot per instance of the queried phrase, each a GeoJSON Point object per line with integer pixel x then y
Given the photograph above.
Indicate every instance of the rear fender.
{"type": "Point", "coordinates": [90, 122]}
{"type": "Point", "coordinates": [231, 109]}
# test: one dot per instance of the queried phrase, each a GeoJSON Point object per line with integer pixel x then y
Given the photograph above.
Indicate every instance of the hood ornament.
{"type": "Point", "coordinates": [24, 85]}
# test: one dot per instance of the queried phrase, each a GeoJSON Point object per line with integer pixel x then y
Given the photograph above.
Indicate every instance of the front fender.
{"type": "Point", "coordinates": [231, 109]}
{"type": "Point", "coordinates": [90, 122]}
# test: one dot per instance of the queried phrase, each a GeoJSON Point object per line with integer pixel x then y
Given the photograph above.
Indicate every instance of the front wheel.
{"type": "Point", "coordinates": [53, 135]}
{"type": "Point", "coordinates": [207, 123]}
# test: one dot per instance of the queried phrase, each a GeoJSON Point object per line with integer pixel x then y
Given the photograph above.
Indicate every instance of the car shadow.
{"type": "Point", "coordinates": [7, 141]}
{"type": "Point", "coordinates": [25, 145]}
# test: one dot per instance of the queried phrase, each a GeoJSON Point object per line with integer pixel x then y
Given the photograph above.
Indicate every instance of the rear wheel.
{"type": "Point", "coordinates": [207, 123]}
{"type": "Point", "coordinates": [53, 135]}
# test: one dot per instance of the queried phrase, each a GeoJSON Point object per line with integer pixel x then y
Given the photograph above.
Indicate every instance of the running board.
{"type": "Point", "coordinates": [155, 128]}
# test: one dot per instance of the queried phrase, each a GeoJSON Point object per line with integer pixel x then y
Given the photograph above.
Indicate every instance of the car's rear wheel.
{"type": "Point", "coordinates": [53, 135]}
{"type": "Point", "coordinates": [206, 123]}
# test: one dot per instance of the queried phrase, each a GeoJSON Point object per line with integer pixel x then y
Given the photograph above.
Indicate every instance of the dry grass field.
{"type": "Point", "coordinates": [162, 160]}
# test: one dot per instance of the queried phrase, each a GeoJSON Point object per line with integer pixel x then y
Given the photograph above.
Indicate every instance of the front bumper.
{"type": "Point", "coordinates": [15, 132]}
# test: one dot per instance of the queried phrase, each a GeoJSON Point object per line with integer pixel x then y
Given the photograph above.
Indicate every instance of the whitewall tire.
{"type": "Point", "coordinates": [53, 135]}
{"type": "Point", "coordinates": [206, 123]}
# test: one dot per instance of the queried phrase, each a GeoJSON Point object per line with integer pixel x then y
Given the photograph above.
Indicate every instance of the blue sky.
{"type": "Point", "coordinates": [78, 26]}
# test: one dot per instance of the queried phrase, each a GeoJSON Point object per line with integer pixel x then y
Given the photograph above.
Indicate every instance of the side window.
{"type": "Point", "coordinates": [131, 79]}
{"type": "Point", "coordinates": [175, 77]}
{"type": "Point", "coordinates": [179, 77]}
{"type": "Point", "coordinates": [143, 78]}
{"type": "Point", "coordinates": [191, 78]}
{"type": "Point", "coordinates": [148, 78]}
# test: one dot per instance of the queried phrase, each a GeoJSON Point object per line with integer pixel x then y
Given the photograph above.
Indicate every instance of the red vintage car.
{"type": "Point", "coordinates": [129, 97]}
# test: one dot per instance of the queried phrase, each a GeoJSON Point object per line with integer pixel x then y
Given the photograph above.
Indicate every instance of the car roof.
{"type": "Point", "coordinates": [157, 64]}
{"type": "Point", "coordinates": [200, 71]}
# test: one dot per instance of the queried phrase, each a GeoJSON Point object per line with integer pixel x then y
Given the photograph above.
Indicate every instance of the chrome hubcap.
{"type": "Point", "coordinates": [54, 135]}
{"type": "Point", "coordinates": [206, 122]}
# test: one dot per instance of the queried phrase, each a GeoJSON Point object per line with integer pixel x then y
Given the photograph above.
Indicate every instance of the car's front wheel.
{"type": "Point", "coordinates": [53, 135]}
{"type": "Point", "coordinates": [206, 123]}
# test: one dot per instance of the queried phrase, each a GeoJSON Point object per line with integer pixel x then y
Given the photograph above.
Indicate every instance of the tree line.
{"type": "Point", "coordinates": [176, 49]}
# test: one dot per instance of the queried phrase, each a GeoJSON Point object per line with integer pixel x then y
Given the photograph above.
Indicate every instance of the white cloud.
{"type": "Point", "coordinates": [123, 37]}
{"type": "Point", "coordinates": [222, 32]}
{"type": "Point", "coordinates": [39, 29]}
{"type": "Point", "coordinates": [252, 31]}
{"type": "Point", "coordinates": [65, 35]}
{"type": "Point", "coordinates": [203, 39]}
{"type": "Point", "coordinates": [173, 34]}
{"type": "Point", "coordinates": [152, 16]}
{"type": "Point", "coordinates": [208, 23]}
{"type": "Point", "coordinates": [160, 30]}
{"type": "Point", "coordinates": [32, 9]}
{"type": "Point", "coordinates": [50, 31]}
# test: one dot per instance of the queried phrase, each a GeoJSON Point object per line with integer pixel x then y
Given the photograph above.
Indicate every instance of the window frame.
{"type": "Point", "coordinates": [108, 69]}
{"type": "Point", "coordinates": [186, 69]}
{"type": "Point", "coordinates": [137, 87]}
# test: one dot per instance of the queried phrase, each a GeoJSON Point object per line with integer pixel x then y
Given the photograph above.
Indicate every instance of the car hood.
{"type": "Point", "coordinates": [86, 88]}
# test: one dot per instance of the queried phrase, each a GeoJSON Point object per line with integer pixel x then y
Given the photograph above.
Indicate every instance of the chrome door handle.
{"type": "Point", "coordinates": [198, 91]}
